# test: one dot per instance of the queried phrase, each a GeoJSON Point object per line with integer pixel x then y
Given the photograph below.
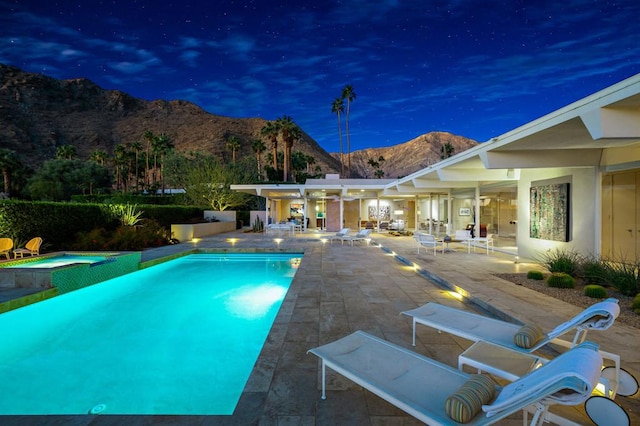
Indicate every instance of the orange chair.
{"type": "Point", "coordinates": [32, 247]}
{"type": "Point", "coordinates": [6, 244]}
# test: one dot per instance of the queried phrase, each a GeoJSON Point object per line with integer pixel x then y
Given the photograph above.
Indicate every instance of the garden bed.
{"type": "Point", "coordinates": [576, 296]}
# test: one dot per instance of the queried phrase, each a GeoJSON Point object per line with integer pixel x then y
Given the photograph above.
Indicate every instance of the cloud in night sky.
{"type": "Point", "coordinates": [476, 69]}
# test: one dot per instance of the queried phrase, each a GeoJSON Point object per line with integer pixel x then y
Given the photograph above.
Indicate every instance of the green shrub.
{"type": "Point", "coordinates": [258, 225]}
{"type": "Point", "coordinates": [595, 291]}
{"type": "Point", "coordinates": [635, 304]}
{"type": "Point", "coordinates": [561, 280]}
{"type": "Point", "coordinates": [594, 270]}
{"type": "Point", "coordinates": [560, 260]}
{"type": "Point", "coordinates": [623, 277]}
{"type": "Point", "coordinates": [535, 275]}
{"type": "Point", "coordinates": [147, 234]}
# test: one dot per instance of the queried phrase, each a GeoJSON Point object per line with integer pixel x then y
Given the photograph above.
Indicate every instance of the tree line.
{"type": "Point", "coordinates": [151, 164]}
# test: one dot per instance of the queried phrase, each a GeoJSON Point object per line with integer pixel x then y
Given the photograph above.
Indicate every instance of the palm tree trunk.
{"type": "Point", "coordinates": [348, 143]}
{"type": "Point", "coordinates": [341, 149]}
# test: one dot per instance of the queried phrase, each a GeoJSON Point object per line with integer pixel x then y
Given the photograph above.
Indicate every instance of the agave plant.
{"type": "Point", "coordinates": [127, 214]}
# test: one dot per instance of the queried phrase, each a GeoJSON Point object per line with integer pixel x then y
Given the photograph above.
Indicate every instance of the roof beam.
{"type": "Point", "coordinates": [534, 159]}
{"type": "Point", "coordinates": [471, 175]}
{"type": "Point", "coordinates": [613, 122]}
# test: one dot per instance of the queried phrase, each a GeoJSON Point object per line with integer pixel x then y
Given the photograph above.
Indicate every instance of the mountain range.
{"type": "Point", "coordinates": [38, 114]}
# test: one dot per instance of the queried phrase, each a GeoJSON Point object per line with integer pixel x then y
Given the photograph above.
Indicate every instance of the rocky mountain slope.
{"type": "Point", "coordinates": [39, 113]}
{"type": "Point", "coordinates": [406, 158]}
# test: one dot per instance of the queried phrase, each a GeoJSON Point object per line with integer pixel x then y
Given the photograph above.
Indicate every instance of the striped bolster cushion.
{"type": "Point", "coordinates": [465, 403]}
{"type": "Point", "coordinates": [528, 336]}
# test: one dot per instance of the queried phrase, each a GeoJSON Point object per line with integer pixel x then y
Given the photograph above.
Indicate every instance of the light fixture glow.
{"type": "Point", "coordinates": [455, 295]}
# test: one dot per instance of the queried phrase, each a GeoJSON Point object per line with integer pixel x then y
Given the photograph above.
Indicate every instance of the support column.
{"type": "Point", "coordinates": [476, 218]}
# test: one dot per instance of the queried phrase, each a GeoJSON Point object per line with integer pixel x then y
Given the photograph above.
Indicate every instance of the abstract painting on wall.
{"type": "Point", "coordinates": [549, 212]}
{"type": "Point", "coordinates": [385, 213]}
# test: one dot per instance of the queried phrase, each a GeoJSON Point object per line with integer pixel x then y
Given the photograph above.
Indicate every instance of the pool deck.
{"type": "Point", "coordinates": [339, 289]}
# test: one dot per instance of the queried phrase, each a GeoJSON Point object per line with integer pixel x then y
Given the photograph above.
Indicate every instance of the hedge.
{"type": "Point", "coordinates": [59, 223]}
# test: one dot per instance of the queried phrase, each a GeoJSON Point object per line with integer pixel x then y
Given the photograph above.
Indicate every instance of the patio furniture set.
{"type": "Point", "coordinates": [439, 394]}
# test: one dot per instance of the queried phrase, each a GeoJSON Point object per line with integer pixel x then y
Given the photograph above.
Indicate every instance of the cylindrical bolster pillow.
{"type": "Point", "coordinates": [465, 403]}
{"type": "Point", "coordinates": [528, 336]}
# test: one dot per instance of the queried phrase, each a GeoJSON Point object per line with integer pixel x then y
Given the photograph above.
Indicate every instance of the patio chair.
{"type": "Point", "coordinates": [528, 338]}
{"type": "Point", "coordinates": [339, 235]}
{"type": "Point", "coordinates": [438, 394]}
{"type": "Point", "coordinates": [476, 327]}
{"type": "Point", "coordinates": [6, 244]}
{"type": "Point", "coordinates": [429, 241]}
{"type": "Point", "coordinates": [362, 235]}
{"type": "Point", "coordinates": [463, 236]}
{"type": "Point", "coordinates": [483, 242]}
{"type": "Point", "coordinates": [32, 248]}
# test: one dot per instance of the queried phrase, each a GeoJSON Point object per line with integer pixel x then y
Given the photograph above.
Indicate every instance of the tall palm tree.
{"type": "Point", "coordinates": [337, 108]}
{"type": "Point", "coordinates": [258, 147]}
{"type": "Point", "coordinates": [9, 161]}
{"type": "Point", "coordinates": [233, 145]}
{"type": "Point", "coordinates": [119, 163]}
{"type": "Point", "coordinates": [290, 133]}
{"type": "Point", "coordinates": [137, 147]}
{"type": "Point", "coordinates": [270, 130]}
{"type": "Point", "coordinates": [348, 94]}
{"type": "Point", "coordinates": [162, 145]}
{"type": "Point", "coordinates": [149, 137]}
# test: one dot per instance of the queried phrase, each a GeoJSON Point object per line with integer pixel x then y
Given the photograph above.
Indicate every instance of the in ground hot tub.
{"type": "Point", "coordinates": [67, 271]}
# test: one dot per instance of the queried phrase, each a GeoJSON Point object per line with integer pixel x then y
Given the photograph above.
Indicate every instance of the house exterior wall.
{"type": "Point", "coordinates": [584, 211]}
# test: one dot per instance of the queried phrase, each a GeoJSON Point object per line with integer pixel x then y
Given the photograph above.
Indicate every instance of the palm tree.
{"type": "Point", "coordinates": [290, 133]}
{"type": "Point", "coordinates": [348, 94]}
{"type": "Point", "coordinates": [9, 161]}
{"type": "Point", "coordinates": [162, 145]}
{"type": "Point", "coordinates": [99, 157]}
{"type": "Point", "coordinates": [119, 163]}
{"type": "Point", "coordinates": [149, 137]}
{"type": "Point", "coordinates": [137, 147]}
{"type": "Point", "coordinates": [338, 107]}
{"type": "Point", "coordinates": [310, 162]}
{"type": "Point", "coordinates": [446, 150]}
{"type": "Point", "coordinates": [270, 130]}
{"type": "Point", "coordinates": [258, 147]}
{"type": "Point", "coordinates": [67, 152]}
{"type": "Point", "coordinates": [233, 145]}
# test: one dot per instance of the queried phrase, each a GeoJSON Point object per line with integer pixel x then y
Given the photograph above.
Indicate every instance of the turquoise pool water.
{"type": "Point", "coordinates": [56, 261]}
{"type": "Point", "coordinates": [178, 338]}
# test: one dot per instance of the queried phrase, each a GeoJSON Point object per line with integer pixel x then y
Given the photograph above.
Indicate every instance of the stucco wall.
{"type": "Point", "coordinates": [584, 211]}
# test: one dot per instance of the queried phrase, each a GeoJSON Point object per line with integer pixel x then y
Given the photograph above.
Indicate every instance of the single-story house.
{"type": "Point", "coordinates": [570, 179]}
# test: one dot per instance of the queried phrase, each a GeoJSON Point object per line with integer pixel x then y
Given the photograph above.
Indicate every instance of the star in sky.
{"type": "Point", "coordinates": [475, 69]}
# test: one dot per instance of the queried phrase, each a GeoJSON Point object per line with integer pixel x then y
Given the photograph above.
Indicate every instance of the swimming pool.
{"type": "Point", "coordinates": [63, 259]}
{"type": "Point", "coordinates": [177, 338]}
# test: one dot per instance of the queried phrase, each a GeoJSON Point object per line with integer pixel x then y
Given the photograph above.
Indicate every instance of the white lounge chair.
{"type": "Point", "coordinates": [479, 328]}
{"type": "Point", "coordinates": [475, 327]}
{"type": "Point", "coordinates": [362, 235]}
{"type": "Point", "coordinates": [463, 236]}
{"type": "Point", "coordinates": [421, 386]}
{"type": "Point", "coordinates": [339, 235]}
{"type": "Point", "coordinates": [429, 241]}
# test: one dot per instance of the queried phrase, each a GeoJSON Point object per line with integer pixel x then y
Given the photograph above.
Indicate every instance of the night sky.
{"type": "Point", "coordinates": [473, 68]}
